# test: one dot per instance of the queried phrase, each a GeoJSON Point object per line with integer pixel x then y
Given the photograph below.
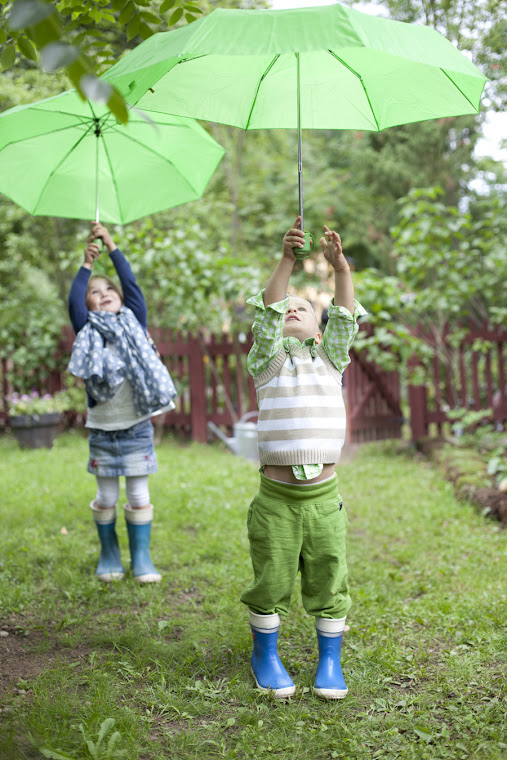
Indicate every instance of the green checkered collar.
{"type": "Point", "coordinates": [291, 340]}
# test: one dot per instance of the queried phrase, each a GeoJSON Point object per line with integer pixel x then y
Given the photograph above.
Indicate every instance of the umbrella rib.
{"type": "Point", "coordinates": [458, 88]}
{"type": "Point", "coordinates": [155, 153]}
{"type": "Point", "coordinates": [272, 63]}
{"type": "Point", "coordinates": [64, 158]}
{"type": "Point", "coordinates": [340, 60]}
{"type": "Point", "coordinates": [82, 120]}
{"type": "Point", "coordinates": [113, 176]}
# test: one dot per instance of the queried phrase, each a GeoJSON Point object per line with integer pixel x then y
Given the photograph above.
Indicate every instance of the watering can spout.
{"type": "Point", "coordinates": [230, 442]}
{"type": "Point", "coordinates": [244, 441]}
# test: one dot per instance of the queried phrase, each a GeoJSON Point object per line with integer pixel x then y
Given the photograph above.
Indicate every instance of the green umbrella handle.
{"type": "Point", "coordinates": [307, 249]}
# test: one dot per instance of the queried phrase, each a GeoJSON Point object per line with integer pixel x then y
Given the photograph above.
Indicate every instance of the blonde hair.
{"type": "Point", "coordinates": [110, 282]}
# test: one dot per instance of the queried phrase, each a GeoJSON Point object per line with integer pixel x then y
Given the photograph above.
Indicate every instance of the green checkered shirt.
{"type": "Point", "coordinates": [339, 334]}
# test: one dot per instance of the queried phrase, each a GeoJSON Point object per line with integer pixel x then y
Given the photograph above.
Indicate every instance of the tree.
{"type": "Point", "coordinates": [449, 264]}
{"type": "Point", "coordinates": [476, 26]}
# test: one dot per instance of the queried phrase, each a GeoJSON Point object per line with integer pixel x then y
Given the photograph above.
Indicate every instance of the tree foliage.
{"type": "Point", "coordinates": [200, 261]}
{"type": "Point", "coordinates": [448, 266]}
{"type": "Point", "coordinates": [84, 38]}
{"type": "Point", "coordinates": [476, 26]}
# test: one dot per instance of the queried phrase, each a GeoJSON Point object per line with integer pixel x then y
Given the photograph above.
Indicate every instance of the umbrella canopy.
{"type": "Point", "coordinates": [357, 71]}
{"type": "Point", "coordinates": [328, 67]}
{"type": "Point", "coordinates": [66, 157]}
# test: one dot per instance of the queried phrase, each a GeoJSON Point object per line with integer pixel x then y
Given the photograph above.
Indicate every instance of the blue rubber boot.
{"type": "Point", "coordinates": [110, 567]}
{"type": "Point", "coordinates": [329, 681]}
{"type": "Point", "coordinates": [139, 533]}
{"type": "Point", "coordinates": [267, 669]}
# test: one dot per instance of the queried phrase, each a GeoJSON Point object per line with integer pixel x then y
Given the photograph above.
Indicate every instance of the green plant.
{"type": "Point", "coordinates": [96, 749]}
{"type": "Point", "coordinates": [35, 404]}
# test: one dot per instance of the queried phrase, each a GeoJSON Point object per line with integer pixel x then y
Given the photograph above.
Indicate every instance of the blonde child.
{"type": "Point", "coordinates": [126, 385]}
{"type": "Point", "coordinates": [297, 522]}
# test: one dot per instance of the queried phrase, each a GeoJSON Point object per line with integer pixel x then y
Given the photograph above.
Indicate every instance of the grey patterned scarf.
{"type": "Point", "coordinates": [104, 370]}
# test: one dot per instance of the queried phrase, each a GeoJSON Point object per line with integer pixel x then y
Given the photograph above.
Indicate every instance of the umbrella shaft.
{"type": "Point", "coordinates": [97, 213]}
{"type": "Point", "coordinates": [300, 146]}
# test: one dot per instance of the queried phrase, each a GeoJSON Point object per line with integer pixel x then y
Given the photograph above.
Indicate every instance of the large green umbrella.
{"type": "Point", "coordinates": [66, 157]}
{"type": "Point", "coordinates": [328, 67]}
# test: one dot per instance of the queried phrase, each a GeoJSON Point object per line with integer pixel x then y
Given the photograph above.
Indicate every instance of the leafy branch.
{"type": "Point", "coordinates": [56, 35]}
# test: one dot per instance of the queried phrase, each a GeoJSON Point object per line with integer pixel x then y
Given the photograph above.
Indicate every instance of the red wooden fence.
{"type": "Point", "coordinates": [475, 380]}
{"type": "Point", "coordinates": [373, 401]}
{"type": "Point", "coordinates": [214, 386]}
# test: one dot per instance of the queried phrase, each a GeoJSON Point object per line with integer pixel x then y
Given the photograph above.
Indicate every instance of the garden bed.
{"type": "Point", "coordinates": [467, 468]}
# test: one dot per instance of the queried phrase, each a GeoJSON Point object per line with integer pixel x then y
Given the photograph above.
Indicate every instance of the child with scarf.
{"type": "Point", "coordinates": [297, 520]}
{"type": "Point", "coordinates": [126, 385]}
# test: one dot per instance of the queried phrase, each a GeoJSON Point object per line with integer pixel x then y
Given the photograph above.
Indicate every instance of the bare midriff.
{"type": "Point", "coordinates": [285, 474]}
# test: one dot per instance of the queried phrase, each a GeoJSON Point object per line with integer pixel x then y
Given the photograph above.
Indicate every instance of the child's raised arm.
{"type": "Point", "coordinates": [331, 246]}
{"type": "Point", "coordinates": [276, 289]}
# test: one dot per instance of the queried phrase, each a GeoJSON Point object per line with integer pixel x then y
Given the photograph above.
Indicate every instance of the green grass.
{"type": "Point", "coordinates": [425, 658]}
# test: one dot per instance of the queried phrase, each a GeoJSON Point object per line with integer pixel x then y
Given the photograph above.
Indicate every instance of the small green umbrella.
{"type": "Point", "coordinates": [66, 157]}
{"type": "Point", "coordinates": [328, 67]}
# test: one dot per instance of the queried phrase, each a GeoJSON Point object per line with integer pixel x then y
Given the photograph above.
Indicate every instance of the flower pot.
{"type": "Point", "coordinates": [35, 431]}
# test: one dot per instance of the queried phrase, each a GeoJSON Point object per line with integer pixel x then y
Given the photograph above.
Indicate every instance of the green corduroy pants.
{"type": "Point", "coordinates": [291, 528]}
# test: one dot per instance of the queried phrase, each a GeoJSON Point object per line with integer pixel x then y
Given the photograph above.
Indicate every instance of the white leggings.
{"type": "Point", "coordinates": [108, 490]}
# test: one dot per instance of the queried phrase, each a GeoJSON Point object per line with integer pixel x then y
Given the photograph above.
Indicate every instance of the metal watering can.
{"type": "Point", "coordinates": [244, 439]}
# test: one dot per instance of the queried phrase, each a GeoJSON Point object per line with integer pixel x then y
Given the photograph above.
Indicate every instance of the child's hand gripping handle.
{"type": "Point", "coordinates": [307, 249]}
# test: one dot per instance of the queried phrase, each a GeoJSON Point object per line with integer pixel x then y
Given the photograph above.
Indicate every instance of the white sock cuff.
{"type": "Point", "coordinates": [103, 515]}
{"type": "Point", "coordinates": [332, 627]}
{"type": "Point", "coordinates": [137, 516]}
{"type": "Point", "coordinates": [264, 623]}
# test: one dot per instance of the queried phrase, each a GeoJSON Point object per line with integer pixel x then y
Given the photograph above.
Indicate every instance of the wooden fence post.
{"type": "Point", "coordinates": [197, 391]}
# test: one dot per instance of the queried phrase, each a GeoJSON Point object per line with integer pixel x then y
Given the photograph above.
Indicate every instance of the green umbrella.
{"type": "Point", "coordinates": [66, 157]}
{"type": "Point", "coordinates": [328, 67]}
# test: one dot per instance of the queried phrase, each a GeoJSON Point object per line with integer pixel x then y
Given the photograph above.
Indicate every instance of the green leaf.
{"type": "Point", "coordinates": [46, 31]}
{"type": "Point", "coordinates": [178, 13]}
{"type": "Point", "coordinates": [133, 27]}
{"type": "Point", "coordinates": [166, 5]}
{"type": "Point", "coordinates": [106, 725]}
{"type": "Point", "coordinates": [54, 754]}
{"type": "Point", "coordinates": [145, 31]}
{"type": "Point", "coordinates": [26, 48]}
{"type": "Point", "coordinates": [118, 107]}
{"type": "Point", "coordinates": [28, 13]}
{"type": "Point", "coordinates": [127, 13]}
{"type": "Point", "coordinates": [76, 72]}
{"type": "Point", "coordinates": [423, 734]}
{"type": "Point", "coordinates": [113, 741]}
{"type": "Point", "coordinates": [150, 18]}
{"type": "Point", "coordinates": [118, 4]}
{"type": "Point", "coordinates": [95, 89]}
{"type": "Point", "coordinates": [3, 35]}
{"type": "Point", "coordinates": [7, 57]}
{"type": "Point", "coordinates": [56, 55]}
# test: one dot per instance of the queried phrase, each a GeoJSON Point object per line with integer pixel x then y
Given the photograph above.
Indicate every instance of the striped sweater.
{"type": "Point", "coordinates": [301, 410]}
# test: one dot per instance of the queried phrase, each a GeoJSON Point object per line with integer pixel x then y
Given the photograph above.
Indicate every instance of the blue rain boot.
{"type": "Point", "coordinates": [110, 567]}
{"type": "Point", "coordinates": [139, 532]}
{"type": "Point", "coordinates": [329, 681]}
{"type": "Point", "coordinates": [267, 669]}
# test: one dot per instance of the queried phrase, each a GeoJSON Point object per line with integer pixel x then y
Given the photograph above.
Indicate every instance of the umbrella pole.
{"type": "Point", "coordinates": [300, 146]}
{"type": "Point", "coordinates": [306, 250]}
{"type": "Point", "coordinates": [97, 211]}
{"type": "Point", "coordinates": [97, 133]}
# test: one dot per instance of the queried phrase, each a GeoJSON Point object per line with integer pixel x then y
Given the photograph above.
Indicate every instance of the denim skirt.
{"type": "Point", "coordinates": [122, 452]}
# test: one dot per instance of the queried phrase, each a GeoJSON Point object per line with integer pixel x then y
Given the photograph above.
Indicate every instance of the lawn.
{"type": "Point", "coordinates": [123, 672]}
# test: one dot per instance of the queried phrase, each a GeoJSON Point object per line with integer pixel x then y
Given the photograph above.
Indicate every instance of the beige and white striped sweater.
{"type": "Point", "coordinates": [301, 410]}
